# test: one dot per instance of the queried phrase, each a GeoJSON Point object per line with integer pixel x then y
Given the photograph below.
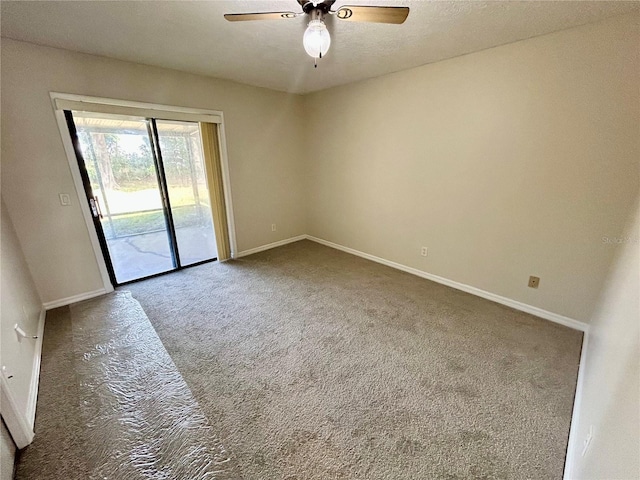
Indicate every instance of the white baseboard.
{"type": "Point", "coordinates": [35, 371]}
{"type": "Point", "coordinates": [269, 246]}
{"type": "Point", "coordinates": [539, 312]}
{"type": "Point", "coordinates": [73, 299]}
{"type": "Point", "coordinates": [574, 444]}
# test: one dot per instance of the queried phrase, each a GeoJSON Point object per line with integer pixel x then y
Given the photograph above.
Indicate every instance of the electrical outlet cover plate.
{"type": "Point", "coordinates": [534, 281]}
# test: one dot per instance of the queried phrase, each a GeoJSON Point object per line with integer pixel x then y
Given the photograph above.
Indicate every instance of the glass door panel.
{"type": "Point", "coordinates": [186, 179]}
{"type": "Point", "coordinates": [120, 164]}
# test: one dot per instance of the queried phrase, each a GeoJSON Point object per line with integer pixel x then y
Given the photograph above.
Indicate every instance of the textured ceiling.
{"type": "Point", "coordinates": [193, 35]}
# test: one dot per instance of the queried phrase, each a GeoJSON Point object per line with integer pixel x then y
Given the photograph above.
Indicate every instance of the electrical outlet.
{"type": "Point", "coordinates": [273, 227]}
{"type": "Point", "coordinates": [65, 199]}
{"type": "Point", "coordinates": [534, 281]}
{"type": "Point", "coordinates": [424, 251]}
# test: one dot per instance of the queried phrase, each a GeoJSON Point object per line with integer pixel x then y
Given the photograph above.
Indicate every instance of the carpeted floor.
{"type": "Point", "coordinates": [58, 423]}
{"type": "Point", "coordinates": [112, 404]}
{"type": "Point", "coordinates": [315, 364]}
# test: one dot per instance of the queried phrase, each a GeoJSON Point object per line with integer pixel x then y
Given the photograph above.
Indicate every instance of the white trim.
{"type": "Point", "coordinates": [197, 114]}
{"type": "Point", "coordinates": [84, 103]}
{"type": "Point", "coordinates": [523, 307]}
{"type": "Point", "coordinates": [35, 371]}
{"type": "Point", "coordinates": [573, 445]}
{"type": "Point", "coordinates": [81, 196]}
{"type": "Point", "coordinates": [539, 312]}
{"type": "Point", "coordinates": [269, 246]}
{"type": "Point", "coordinates": [75, 298]}
{"type": "Point", "coordinates": [17, 425]}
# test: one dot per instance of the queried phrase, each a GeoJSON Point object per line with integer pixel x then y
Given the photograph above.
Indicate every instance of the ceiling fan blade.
{"type": "Point", "coordinates": [243, 17]}
{"type": "Point", "coordinates": [395, 15]}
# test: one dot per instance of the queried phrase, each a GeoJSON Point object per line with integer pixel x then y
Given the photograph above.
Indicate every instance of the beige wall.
{"type": "Point", "coordinates": [509, 162]}
{"type": "Point", "coordinates": [263, 130]}
{"type": "Point", "coordinates": [505, 163]}
{"type": "Point", "coordinates": [20, 304]}
{"type": "Point", "coordinates": [610, 397]}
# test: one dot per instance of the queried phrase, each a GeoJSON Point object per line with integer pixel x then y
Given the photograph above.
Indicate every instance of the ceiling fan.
{"type": "Point", "coordinates": [316, 38]}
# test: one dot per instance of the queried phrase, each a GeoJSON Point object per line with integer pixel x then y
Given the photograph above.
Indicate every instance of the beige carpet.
{"type": "Point", "coordinates": [112, 405]}
{"type": "Point", "coordinates": [314, 364]}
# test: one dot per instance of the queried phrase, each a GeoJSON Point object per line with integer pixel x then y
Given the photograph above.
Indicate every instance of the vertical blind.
{"type": "Point", "coordinates": [210, 142]}
{"type": "Point", "coordinates": [211, 149]}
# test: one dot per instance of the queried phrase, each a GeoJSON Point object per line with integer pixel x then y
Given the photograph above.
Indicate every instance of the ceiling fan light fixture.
{"type": "Point", "coordinates": [316, 39]}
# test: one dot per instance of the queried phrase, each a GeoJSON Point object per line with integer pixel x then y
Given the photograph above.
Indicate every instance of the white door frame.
{"type": "Point", "coordinates": [166, 110]}
{"type": "Point", "coordinates": [18, 426]}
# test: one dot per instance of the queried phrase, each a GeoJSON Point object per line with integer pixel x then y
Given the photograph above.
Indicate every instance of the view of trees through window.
{"type": "Point", "coordinates": [122, 162]}
{"type": "Point", "coordinates": [126, 184]}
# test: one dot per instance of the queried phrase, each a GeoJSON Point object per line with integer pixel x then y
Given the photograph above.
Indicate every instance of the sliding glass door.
{"type": "Point", "coordinates": [188, 193]}
{"type": "Point", "coordinates": [146, 187]}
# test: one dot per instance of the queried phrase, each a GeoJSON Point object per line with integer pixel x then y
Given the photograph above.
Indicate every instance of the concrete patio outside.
{"type": "Point", "coordinates": [138, 256]}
